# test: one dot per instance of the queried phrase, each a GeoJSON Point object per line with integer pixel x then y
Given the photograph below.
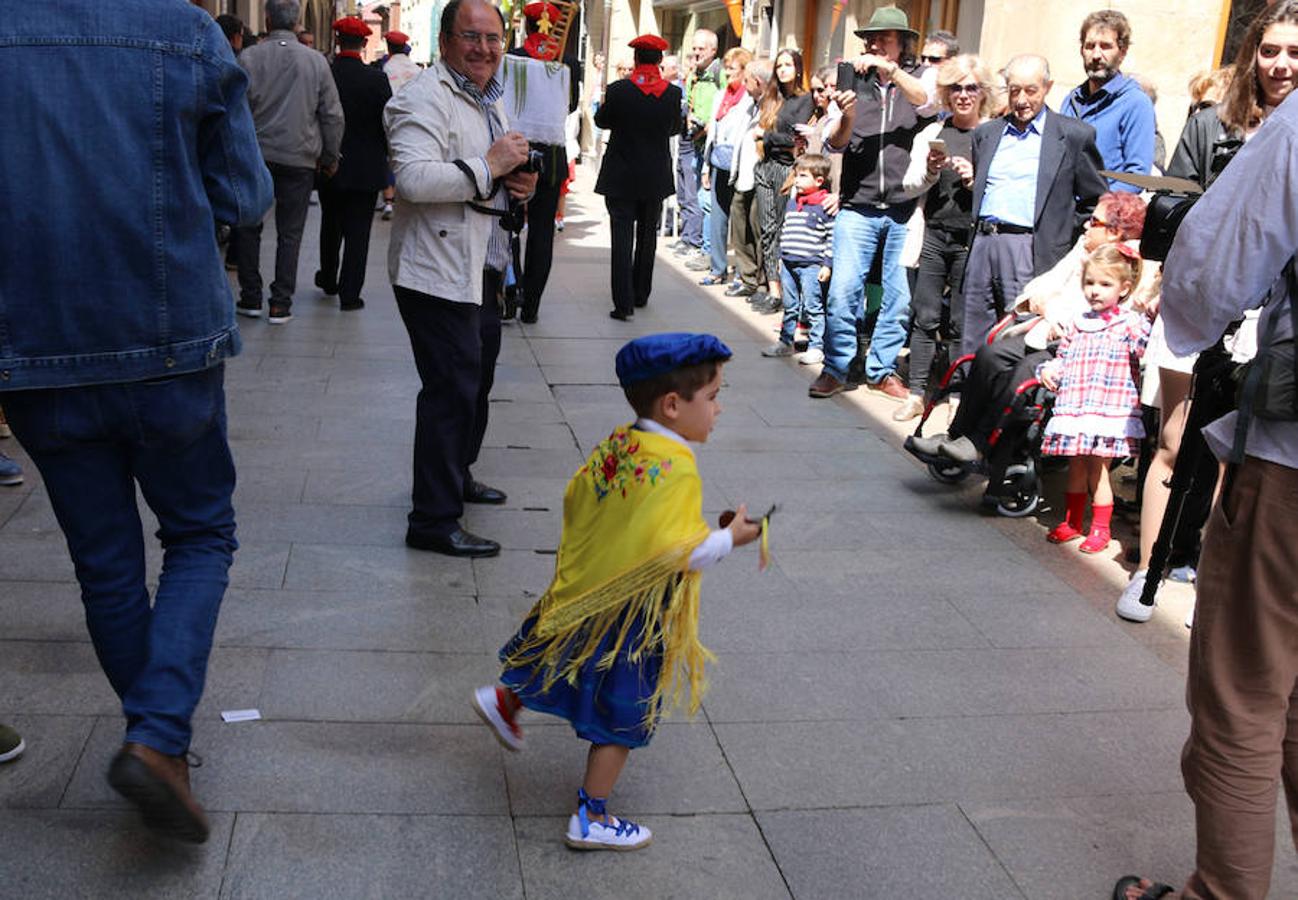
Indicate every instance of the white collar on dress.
{"type": "Point", "coordinates": [658, 428]}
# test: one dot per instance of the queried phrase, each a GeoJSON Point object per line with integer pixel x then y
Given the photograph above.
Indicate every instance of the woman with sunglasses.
{"type": "Point", "coordinates": [941, 169]}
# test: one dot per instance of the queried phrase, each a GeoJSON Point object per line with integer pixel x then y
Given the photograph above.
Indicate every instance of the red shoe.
{"type": "Point", "coordinates": [1063, 533]}
{"type": "Point", "coordinates": [1096, 541]}
{"type": "Point", "coordinates": [489, 704]}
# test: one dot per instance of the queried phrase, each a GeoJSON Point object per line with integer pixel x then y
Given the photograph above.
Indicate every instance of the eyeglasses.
{"type": "Point", "coordinates": [1093, 222]}
{"type": "Point", "coordinates": [933, 59]}
{"type": "Point", "coordinates": [964, 88]}
{"type": "Point", "coordinates": [819, 90]}
{"type": "Point", "coordinates": [493, 41]}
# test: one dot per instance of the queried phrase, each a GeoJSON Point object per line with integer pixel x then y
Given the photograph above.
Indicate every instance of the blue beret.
{"type": "Point", "coordinates": [654, 354]}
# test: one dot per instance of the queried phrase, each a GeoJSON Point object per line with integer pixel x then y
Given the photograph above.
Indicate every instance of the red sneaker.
{"type": "Point", "coordinates": [1096, 541]}
{"type": "Point", "coordinates": [489, 704]}
{"type": "Point", "coordinates": [1063, 533]}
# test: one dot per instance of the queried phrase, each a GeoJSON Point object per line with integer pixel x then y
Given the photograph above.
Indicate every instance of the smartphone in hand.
{"type": "Point", "coordinates": [937, 146]}
{"type": "Point", "coordinates": [846, 80]}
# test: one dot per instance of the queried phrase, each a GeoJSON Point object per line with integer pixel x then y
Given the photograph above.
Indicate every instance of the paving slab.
{"type": "Point", "coordinates": [691, 856]}
{"type": "Point", "coordinates": [38, 778]}
{"type": "Point", "coordinates": [345, 856]}
{"type": "Point", "coordinates": [895, 851]}
{"type": "Point", "coordinates": [57, 854]}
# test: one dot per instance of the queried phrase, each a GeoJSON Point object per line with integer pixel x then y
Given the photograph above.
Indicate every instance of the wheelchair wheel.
{"type": "Point", "coordinates": [948, 472]}
{"type": "Point", "coordinates": [1022, 494]}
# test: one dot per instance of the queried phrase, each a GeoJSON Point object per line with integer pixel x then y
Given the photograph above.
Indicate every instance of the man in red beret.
{"type": "Point", "coordinates": [347, 199]}
{"type": "Point", "coordinates": [399, 68]}
{"type": "Point", "coordinates": [642, 113]}
{"type": "Point", "coordinates": [542, 209]}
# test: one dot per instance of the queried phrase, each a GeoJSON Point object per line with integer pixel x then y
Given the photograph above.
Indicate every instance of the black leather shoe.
{"type": "Point", "coordinates": [641, 304]}
{"type": "Point", "coordinates": [329, 287]}
{"type": "Point", "coordinates": [349, 305]}
{"type": "Point", "coordinates": [477, 492]}
{"type": "Point", "coordinates": [458, 543]}
{"type": "Point", "coordinates": [740, 290]}
{"type": "Point", "coordinates": [620, 316]}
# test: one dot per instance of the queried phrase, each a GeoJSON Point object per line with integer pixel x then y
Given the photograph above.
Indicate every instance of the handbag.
{"type": "Point", "coordinates": [1267, 382]}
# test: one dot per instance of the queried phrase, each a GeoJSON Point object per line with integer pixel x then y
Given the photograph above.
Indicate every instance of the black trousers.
{"type": "Point", "coordinates": [539, 254]}
{"type": "Point", "coordinates": [941, 264]}
{"type": "Point", "coordinates": [455, 347]}
{"type": "Point", "coordinates": [345, 219]}
{"type": "Point", "coordinates": [293, 186]}
{"type": "Point", "coordinates": [634, 226]}
{"type": "Point", "coordinates": [997, 370]}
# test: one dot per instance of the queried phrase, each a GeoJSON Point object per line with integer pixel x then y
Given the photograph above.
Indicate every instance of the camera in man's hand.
{"type": "Point", "coordinates": [535, 163]}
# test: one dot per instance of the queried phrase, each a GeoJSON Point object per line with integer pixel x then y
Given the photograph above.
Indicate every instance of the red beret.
{"type": "Point", "coordinates": [535, 10]}
{"type": "Point", "coordinates": [397, 37]}
{"type": "Point", "coordinates": [351, 25]}
{"type": "Point", "coordinates": [649, 42]}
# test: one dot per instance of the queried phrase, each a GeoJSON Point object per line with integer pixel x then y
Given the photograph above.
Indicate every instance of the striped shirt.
{"type": "Point", "coordinates": [807, 237]}
{"type": "Point", "coordinates": [498, 246]}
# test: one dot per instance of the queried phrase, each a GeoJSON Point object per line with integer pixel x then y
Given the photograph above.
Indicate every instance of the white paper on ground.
{"type": "Point", "coordinates": [240, 715]}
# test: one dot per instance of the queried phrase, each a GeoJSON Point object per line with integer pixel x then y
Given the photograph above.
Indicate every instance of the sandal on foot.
{"type": "Point", "coordinates": [1155, 891]}
{"type": "Point", "coordinates": [585, 833]}
{"type": "Point", "coordinates": [1096, 541]}
{"type": "Point", "coordinates": [1063, 533]}
{"type": "Point", "coordinates": [489, 704]}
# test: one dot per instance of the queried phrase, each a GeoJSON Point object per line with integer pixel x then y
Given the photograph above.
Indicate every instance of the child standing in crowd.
{"type": "Point", "coordinates": [806, 242]}
{"type": "Point", "coordinates": [1097, 408]}
{"type": "Point", "coordinates": [615, 637]}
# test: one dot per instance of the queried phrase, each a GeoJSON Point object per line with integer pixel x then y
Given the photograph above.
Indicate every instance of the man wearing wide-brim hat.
{"type": "Point", "coordinates": [883, 109]}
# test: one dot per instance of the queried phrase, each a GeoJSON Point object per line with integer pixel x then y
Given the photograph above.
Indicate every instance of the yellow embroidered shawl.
{"type": "Point", "coordinates": [632, 515]}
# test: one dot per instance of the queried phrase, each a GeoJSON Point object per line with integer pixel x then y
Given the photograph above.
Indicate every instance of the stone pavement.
{"type": "Point", "coordinates": [914, 700]}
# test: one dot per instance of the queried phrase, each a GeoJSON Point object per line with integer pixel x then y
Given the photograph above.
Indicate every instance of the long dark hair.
{"type": "Point", "coordinates": [1241, 110]}
{"type": "Point", "coordinates": [776, 93]}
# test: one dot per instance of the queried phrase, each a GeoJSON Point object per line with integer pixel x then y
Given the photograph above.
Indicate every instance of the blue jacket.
{"type": "Point", "coordinates": [127, 139]}
{"type": "Point", "coordinates": [1123, 118]}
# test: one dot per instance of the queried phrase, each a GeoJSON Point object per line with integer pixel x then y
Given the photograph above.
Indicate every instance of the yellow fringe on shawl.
{"type": "Point", "coordinates": [632, 517]}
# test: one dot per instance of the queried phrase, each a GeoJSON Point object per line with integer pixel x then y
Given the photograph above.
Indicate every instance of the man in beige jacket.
{"type": "Point", "coordinates": [456, 167]}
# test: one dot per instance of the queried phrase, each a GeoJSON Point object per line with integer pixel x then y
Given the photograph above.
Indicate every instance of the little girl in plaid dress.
{"type": "Point", "coordinates": [1096, 379]}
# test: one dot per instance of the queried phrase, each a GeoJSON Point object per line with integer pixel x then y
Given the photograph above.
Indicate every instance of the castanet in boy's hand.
{"type": "Point", "coordinates": [729, 516]}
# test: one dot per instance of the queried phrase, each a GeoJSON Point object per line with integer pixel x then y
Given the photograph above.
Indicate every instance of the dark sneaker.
{"type": "Point", "coordinates": [159, 786]}
{"type": "Point", "coordinates": [248, 308]}
{"type": "Point", "coordinates": [330, 288]}
{"type": "Point", "coordinates": [279, 314]}
{"type": "Point", "coordinates": [10, 472]}
{"type": "Point", "coordinates": [11, 744]}
{"type": "Point", "coordinates": [348, 305]}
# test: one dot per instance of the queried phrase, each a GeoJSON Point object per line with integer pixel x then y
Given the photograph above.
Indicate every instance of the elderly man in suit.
{"type": "Point", "coordinates": [1036, 181]}
{"type": "Point", "coordinates": [642, 113]}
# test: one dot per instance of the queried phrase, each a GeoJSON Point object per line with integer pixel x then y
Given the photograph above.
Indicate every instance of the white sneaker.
{"type": "Point", "coordinates": [387, 212]}
{"type": "Point", "coordinates": [1129, 605]}
{"type": "Point", "coordinates": [585, 833]}
{"type": "Point", "coordinates": [488, 706]}
{"type": "Point", "coordinates": [813, 357]}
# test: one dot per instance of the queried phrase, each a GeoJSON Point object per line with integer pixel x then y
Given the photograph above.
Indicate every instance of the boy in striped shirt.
{"type": "Point", "coordinates": [806, 243]}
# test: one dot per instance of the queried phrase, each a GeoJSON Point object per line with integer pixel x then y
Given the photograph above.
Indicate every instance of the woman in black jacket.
{"type": "Point", "coordinates": [785, 105]}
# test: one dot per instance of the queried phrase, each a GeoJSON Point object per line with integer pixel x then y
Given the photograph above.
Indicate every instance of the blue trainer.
{"type": "Point", "coordinates": [10, 472]}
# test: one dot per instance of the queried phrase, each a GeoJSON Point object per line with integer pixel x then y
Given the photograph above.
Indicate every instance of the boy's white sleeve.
{"type": "Point", "coordinates": [715, 547]}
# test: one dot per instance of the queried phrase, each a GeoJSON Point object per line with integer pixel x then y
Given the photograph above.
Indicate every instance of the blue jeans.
{"type": "Point", "coordinates": [92, 446]}
{"type": "Point", "coordinates": [722, 193]}
{"type": "Point", "coordinates": [802, 290]}
{"type": "Point", "coordinates": [858, 235]}
{"type": "Point", "coordinates": [687, 194]}
{"type": "Point", "coordinates": [704, 198]}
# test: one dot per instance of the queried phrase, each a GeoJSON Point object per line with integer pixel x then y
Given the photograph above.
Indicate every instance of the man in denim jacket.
{"type": "Point", "coordinates": [115, 322]}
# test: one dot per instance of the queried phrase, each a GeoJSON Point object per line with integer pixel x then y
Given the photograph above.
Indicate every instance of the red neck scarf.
{"type": "Point", "coordinates": [349, 54]}
{"type": "Point", "coordinates": [733, 92]}
{"type": "Point", "coordinates": [649, 79]}
{"type": "Point", "coordinates": [814, 197]}
{"type": "Point", "coordinates": [535, 47]}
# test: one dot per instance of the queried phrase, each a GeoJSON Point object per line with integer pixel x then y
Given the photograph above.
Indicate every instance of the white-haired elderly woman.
{"type": "Point", "coordinates": [941, 169]}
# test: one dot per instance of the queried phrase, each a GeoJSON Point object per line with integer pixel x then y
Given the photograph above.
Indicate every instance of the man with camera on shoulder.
{"type": "Point", "coordinates": [1235, 252]}
{"type": "Point", "coordinates": [457, 168]}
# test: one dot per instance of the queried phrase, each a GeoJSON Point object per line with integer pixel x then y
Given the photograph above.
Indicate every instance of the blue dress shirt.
{"type": "Point", "coordinates": [1011, 192]}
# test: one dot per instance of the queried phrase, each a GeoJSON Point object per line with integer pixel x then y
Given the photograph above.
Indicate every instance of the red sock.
{"type": "Point", "coordinates": [1071, 528]}
{"type": "Point", "coordinates": [1098, 539]}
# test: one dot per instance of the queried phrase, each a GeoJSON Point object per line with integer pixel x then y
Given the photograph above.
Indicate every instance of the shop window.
{"type": "Point", "coordinates": [1241, 15]}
